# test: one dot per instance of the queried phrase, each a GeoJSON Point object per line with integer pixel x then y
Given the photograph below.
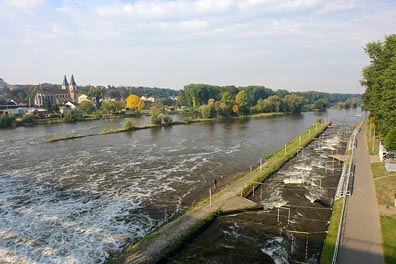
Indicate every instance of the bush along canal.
{"type": "Point", "coordinates": [290, 227]}
{"type": "Point", "coordinates": [163, 243]}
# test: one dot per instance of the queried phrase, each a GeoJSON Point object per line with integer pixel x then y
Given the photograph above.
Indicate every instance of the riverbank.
{"type": "Point", "coordinates": [187, 121]}
{"type": "Point", "coordinates": [169, 237]}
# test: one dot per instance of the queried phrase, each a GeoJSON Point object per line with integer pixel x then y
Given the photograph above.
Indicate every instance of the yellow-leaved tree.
{"type": "Point", "coordinates": [133, 102]}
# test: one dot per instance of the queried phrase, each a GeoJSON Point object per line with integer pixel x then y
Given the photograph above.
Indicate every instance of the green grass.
{"type": "Point", "coordinates": [388, 226]}
{"type": "Point", "coordinates": [331, 237]}
{"type": "Point", "coordinates": [385, 187]}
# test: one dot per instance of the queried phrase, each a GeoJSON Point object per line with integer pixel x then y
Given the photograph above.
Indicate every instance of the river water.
{"type": "Point", "coordinates": [81, 200]}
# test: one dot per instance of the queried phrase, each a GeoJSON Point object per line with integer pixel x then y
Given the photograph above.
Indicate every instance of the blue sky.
{"type": "Point", "coordinates": [297, 45]}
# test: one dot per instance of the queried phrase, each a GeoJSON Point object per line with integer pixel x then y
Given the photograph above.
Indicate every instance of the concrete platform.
{"type": "Point", "coordinates": [339, 157]}
{"type": "Point", "coordinates": [237, 203]}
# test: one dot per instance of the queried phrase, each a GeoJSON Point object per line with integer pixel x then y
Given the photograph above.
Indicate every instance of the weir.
{"type": "Point", "coordinates": [171, 236]}
{"type": "Point", "coordinates": [297, 202]}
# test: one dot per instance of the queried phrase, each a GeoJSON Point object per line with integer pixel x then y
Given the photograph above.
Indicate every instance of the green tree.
{"type": "Point", "coordinates": [320, 105]}
{"type": "Point", "coordinates": [390, 140]}
{"type": "Point", "coordinates": [156, 114]}
{"type": "Point", "coordinates": [272, 104]}
{"type": "Point", "coordinates": [242, 100]}
{"type": "Point", "coordinates": [112, 107]}
{"type": "Point", "coordinates": [224, 106]}
{"type": "Point", "coordinates": [379, 78]}
{"type": "Point", "coordinates": [96, 93]}
{"type": "Point", "coordinates": [86, 107]}
{"type": "Point", "coordinates": [293, 103]}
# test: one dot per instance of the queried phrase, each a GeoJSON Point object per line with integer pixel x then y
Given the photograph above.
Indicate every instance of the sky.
{"type": "Point", "coordinates": [297, 45]}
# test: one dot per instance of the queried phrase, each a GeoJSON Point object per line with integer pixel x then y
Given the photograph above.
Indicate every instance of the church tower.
{"type": "Point", "coordinates": [65, 84]}
{"type": "Point", "coordinates": [72, 89]}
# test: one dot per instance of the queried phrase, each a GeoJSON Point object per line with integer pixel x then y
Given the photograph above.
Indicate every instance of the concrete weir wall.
{"type": "Point", "coordinates": [231, 198]}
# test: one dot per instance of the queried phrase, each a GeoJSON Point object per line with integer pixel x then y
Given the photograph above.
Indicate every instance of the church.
{"type": "Point", "coordinates": [52, 97]}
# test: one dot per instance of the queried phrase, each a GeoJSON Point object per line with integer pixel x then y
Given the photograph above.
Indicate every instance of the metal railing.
{"type": "Point", "coordinates": [345, 190]}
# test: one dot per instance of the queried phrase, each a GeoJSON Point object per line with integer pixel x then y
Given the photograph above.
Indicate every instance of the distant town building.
{"type": "Point", "coordinates": [52, 97]}
{"type": "Point", "coordinates": [148, 99]}
{"type": "Point", "coordinates": [82, 98]}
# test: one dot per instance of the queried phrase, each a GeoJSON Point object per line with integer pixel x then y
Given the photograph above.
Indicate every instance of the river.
{"type": "Point", "coordinates": [81, 200]}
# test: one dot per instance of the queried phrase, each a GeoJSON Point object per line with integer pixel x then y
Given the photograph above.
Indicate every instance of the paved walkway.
{"type": "Point", "coordinates": [361, 239]}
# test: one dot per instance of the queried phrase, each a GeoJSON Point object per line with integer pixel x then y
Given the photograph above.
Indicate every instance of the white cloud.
{"type": "Point", "coordinates": [201, 6]}
{"type": "Point", "coordinates": [278, 5]}
{"type": "Point", "coordinates": [23, 4]}
{"type": "Point", "coordinates": [242, 38]}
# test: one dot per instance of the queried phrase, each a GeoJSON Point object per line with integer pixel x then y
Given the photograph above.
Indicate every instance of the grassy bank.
{"type": "Point", "coordinates": [326, 256]}
{"type": "Point", "coordinates": [385, 187]}
{"type": "Point", "coordinates": [388, 224]}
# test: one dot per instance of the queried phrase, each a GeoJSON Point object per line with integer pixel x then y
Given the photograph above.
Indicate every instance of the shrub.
{"type": "Point", "coordinates": [70, 116]}
{"type": "Point", "coordinates": [28, 119]}
{"type": "Point", "coordinates": [390, 140]}
{"type": "Point", "coordinates": [167, 120]}
{"type": "Point", "coordinates": [129, 125]}
{"type": "Point", "coordinates": [7, 120]}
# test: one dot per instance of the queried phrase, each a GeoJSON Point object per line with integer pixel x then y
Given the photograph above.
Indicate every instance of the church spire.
{"type": "Point", "coordinates": [72, 82]}
{"type": "Point", "coordinates": [65, 84]}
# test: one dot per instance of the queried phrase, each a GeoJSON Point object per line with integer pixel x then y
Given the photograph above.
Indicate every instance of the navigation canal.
{"type": "Point", "coordinates": [78, 201]}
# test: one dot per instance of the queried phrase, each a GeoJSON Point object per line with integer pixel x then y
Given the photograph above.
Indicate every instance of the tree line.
{"type": "Point", "coordinates": [379, 78]}
{"type": "Point", "coordinates": [231, 100]}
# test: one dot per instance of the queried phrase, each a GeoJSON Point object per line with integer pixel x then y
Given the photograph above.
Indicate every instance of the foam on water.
{"type": "Point", "coordinates": [276, 250]}
{"type": "Point", "coordinates": [49, 225]}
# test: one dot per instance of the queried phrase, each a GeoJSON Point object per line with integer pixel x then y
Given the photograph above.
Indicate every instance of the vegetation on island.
{"type": "Point", "coordinates": [226, 101]}
{"type": "Point", "coordinates": [379, 78]}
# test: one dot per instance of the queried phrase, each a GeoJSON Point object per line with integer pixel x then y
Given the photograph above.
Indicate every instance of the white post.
{"type": "Point", "coordinates": [285, 149]}
{"type": "Point", "coordinates": [278, 214]}
{"type": "Point", "coordinates": [250, 168]}
{"type": "Point", "coordinates": [261, 163]}
{"type": "Point", "coordinates": [288, 217]}
{"type": "Point", "coordinates": [210, 196]}
{"type": "Point", "coordinates": [373, 139]}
